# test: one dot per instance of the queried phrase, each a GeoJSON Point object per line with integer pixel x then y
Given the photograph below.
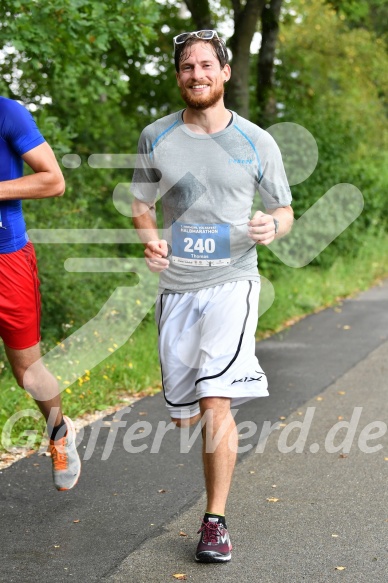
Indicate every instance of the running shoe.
{"type": "Point", "coordinates": [65, 458]}
{"type": "Point", "coordinates": [214, 545]}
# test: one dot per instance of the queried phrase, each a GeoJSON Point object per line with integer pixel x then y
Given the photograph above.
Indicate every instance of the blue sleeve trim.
{"type": "Point", "coordinates": [254, 149]}
{"type": "Point", "coordinates": [161, 136]}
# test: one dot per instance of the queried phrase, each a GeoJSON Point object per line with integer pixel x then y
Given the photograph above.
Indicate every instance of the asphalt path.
{"type": "Point", "coordinates": [317, 513]}
{"type": "Point", "coordinates": [127, 499]}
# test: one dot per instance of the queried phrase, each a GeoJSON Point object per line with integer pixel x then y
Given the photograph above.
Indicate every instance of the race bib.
{"type": "Point", "coordinates": [201, 244]}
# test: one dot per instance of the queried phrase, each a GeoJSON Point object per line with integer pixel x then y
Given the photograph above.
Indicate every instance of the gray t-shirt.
{"type": "Point", "coordinates": [207, 183]}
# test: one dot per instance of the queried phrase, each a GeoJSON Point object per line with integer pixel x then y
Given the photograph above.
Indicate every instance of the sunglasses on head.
{"type": "Point", "coordinates": [201, 34]}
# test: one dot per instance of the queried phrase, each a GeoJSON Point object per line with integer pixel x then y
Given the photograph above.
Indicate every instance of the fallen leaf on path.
{"type": "Point", "coordinates": [182, 533]}
{"type": "Point", "coordinates": [282, 418]}
{"type": "Point", "coordinates": [162, 491]}
{"type": "Point", "coordinates": [347, 327]}
{"type": "Point", "coordinates": [342, 455]}
{"type": "Point", "coordinates": [180, 576]}
{"type": "Point", "coordinates": [7, 458]}
{"type": "Point", "coordinates": [340, 568]}
{"type": "Point", "coordinates": [334, 535]}
{"type": "Point", "coordinates": [341, 392]}
{"type": "Point", "coordinates": [272, 499]}
{"type": "Point", "coordinates": [76, 521]}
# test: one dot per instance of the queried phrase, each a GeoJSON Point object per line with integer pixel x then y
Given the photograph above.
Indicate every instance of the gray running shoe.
{"type": "Point", "coordinates": [65, 458]}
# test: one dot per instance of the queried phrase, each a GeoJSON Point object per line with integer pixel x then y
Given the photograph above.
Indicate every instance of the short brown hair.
{"type": "Point", "coordinates": [218, 47]}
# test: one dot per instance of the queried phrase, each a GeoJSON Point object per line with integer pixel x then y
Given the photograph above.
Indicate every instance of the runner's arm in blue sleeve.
{"type": "Point", "coordinates": [47, 180]}
{"type": "Point", "coordinates": [20, 134]}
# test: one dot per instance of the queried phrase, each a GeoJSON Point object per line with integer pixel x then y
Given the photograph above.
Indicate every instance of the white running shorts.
{"type": "Point", "coordinates": [207, 346]}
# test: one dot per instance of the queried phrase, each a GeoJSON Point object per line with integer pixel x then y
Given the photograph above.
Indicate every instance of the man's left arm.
{"type": "Point", "coordinates": [47, 180]}
{"type": "Point", "coordinates": [262, 228]}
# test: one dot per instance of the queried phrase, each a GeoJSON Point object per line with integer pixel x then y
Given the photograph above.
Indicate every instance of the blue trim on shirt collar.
{"type": "Point", "coordinates": [161, 135]}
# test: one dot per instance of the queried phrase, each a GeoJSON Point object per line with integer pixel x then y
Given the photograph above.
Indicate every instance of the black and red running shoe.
{"type": "Point", "coordinates": [214, 545]}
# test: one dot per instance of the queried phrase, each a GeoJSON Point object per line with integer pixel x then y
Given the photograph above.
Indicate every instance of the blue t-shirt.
{"type": "Point", "coordinates": [18, 134]}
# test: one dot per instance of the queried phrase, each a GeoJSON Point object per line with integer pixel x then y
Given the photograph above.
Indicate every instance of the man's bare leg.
{"type": "Point", "coordinates": [218, 451]}
{"type": "Point", "coordinates": [33, 376]}
{"type": "Point", "coordinates": [38, 381]}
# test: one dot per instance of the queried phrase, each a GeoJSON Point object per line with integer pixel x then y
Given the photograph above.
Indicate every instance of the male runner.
{"type": "Point", "coordinates": [207, 163]}
{"type": "Point", "coordinates": [20, 140]}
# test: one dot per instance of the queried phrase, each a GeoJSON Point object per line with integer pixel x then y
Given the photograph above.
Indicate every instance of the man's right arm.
{"type": "Point", "coordinates": [47, 180]}
{"type": "Point", "coordinates": [144, 220]}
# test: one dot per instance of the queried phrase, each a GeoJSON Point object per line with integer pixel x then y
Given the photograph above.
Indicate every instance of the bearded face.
{"type": "Point", "coordinates": [200, 78]}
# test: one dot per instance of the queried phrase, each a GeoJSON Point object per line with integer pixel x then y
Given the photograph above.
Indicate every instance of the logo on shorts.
{"type": "Point", "coordinates": [247, 379]}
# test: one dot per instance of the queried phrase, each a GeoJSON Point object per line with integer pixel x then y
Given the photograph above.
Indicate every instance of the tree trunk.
{"type": "Point", "coordinates": [200, 12]}
{"type": "Point", "coordinates": [264, 91]}
{"type": "Point", "coordinates": [245, 26]}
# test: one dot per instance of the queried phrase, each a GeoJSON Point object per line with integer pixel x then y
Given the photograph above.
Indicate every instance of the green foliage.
{"type": "Point", "coordinates": [370, 14]}
{"type": "Point", "coordinates": [152, 75]}
{"type": "Point", "coordinates": [66, 52]}
{"type": "Point", "coordinates": [69, 61]}
{"type": "Point", "coordinates": [332, 80]}
{"type": "Point", "coordinates": [71, 299]}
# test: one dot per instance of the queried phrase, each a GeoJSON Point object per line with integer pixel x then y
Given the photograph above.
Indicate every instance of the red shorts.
{"type": "Point", "coordinates": [19, 298]}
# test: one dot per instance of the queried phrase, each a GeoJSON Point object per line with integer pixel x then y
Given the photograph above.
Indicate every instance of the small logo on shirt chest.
{"type": "Point", "coordinates": [240, 161]}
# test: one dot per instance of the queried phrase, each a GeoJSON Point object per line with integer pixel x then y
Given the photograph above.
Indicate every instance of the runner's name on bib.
{"type": "Point", "coordinates": [207, 245]}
